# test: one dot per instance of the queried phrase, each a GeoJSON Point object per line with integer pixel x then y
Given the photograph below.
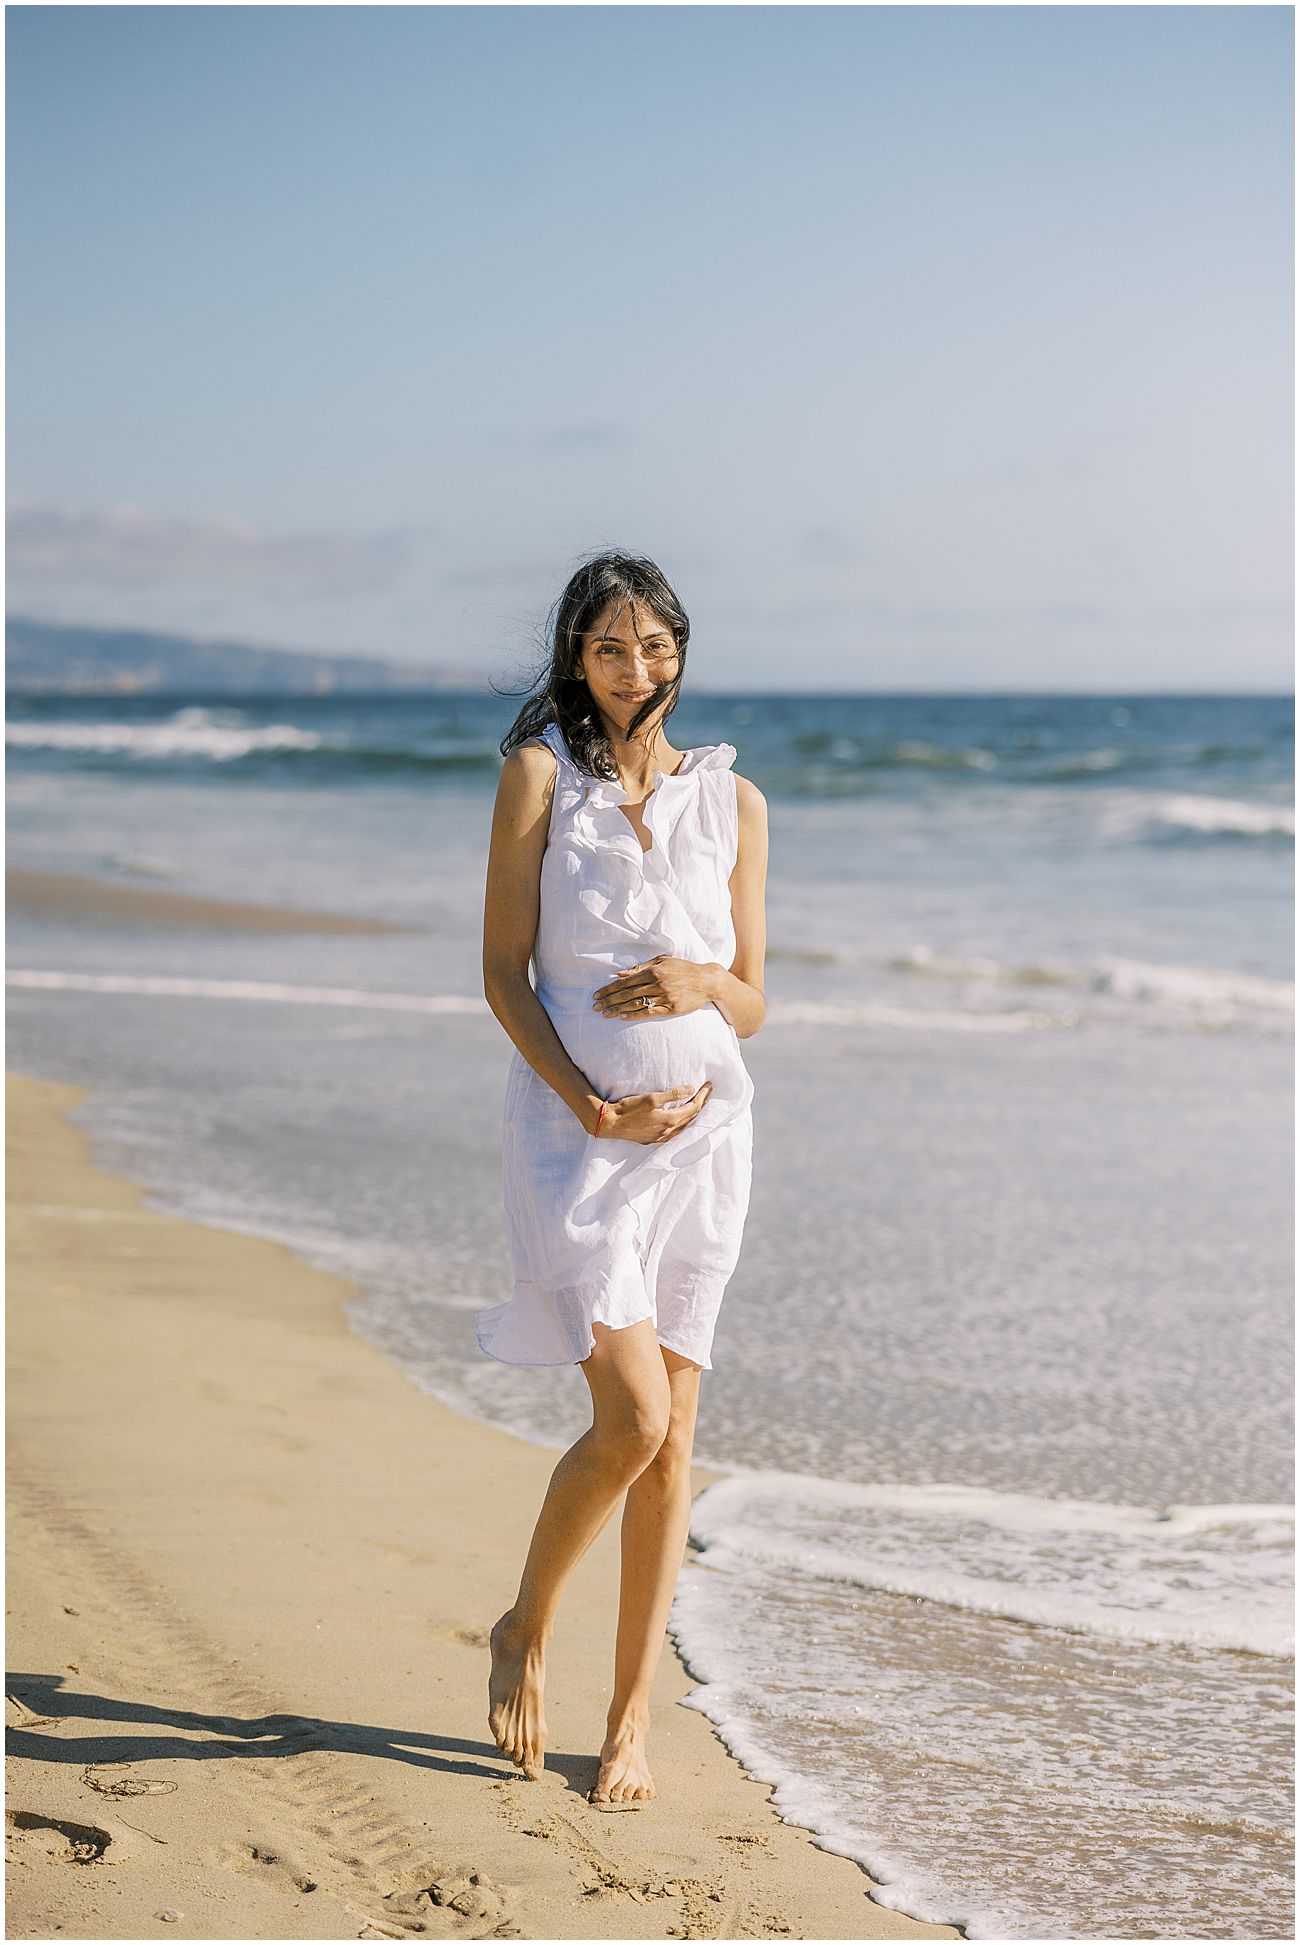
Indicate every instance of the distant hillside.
{"type": "Point", "coordinates": [49, 658]}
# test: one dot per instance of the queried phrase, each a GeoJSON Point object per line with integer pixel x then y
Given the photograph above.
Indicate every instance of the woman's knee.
{"type": "Point", "coordinates": [630, 1393]}
{"type": "Point", "coordinates": [677, 1445]}
{"type": "Point", "coordinates": [635, 1418]}
{"type": "Point", "coordinates": [633, 1430]}
{"type": "Point", "coordinates": [630, 1425]}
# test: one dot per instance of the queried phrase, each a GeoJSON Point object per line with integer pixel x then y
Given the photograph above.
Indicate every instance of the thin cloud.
{"type": "Point", "coordinates": [546, 576]}
{"type": "Point", "coordinates": [127, 546]}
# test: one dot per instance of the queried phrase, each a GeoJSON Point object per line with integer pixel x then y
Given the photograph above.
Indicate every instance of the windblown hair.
{"type": "Point", "coordinates": [557, 690]}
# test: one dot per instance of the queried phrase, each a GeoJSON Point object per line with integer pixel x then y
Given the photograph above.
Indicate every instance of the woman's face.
{"type": "Point", "coordinates": [628, 654]}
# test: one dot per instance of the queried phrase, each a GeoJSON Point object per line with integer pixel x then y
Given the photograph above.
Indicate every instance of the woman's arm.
{"type": "Point", "coordinates": [738, 992]}
{"type": "Point", "coordinates": [511, 908]}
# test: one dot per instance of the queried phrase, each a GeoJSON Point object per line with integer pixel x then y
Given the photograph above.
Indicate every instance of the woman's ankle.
{"type": "Point", "coordinates": [521, 1634]}
{"type": "Point", "coordinates": [631, 1718]}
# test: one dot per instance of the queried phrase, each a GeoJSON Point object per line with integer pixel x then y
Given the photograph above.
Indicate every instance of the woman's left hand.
{"type": "Point", "coordinates": [669, 984]}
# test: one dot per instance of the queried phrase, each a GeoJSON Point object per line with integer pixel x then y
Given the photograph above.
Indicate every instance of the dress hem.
{"type": "Point", "coordinates": [558, 1363]}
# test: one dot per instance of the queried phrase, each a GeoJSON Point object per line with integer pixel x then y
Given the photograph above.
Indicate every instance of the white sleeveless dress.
{"type": "Point", "coordinates": [603, 1229]}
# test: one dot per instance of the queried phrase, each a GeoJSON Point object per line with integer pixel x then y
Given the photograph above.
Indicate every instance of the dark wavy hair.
{"type": "Point", "coordinates": [557, 690]}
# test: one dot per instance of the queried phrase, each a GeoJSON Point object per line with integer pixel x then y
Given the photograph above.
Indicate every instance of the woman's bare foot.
{"type": "Point", "coordinates": [624, 1776]}
{"type": "Point", "coordinates": [515, 1686]}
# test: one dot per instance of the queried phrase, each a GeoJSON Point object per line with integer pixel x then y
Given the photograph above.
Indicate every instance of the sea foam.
{"type": "Point", "coordinates": [1209, 1576]}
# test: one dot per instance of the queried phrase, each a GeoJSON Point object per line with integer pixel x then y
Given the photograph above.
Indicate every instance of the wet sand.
{"type": "Point", "coordinates": [125, 907]}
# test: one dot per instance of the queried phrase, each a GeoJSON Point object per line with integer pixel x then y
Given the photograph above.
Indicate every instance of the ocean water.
{"type": "Point", "coordinates": [997, 1591]}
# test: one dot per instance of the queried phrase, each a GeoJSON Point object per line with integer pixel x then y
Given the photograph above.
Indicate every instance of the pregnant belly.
{"type": "Point", "coordinates": [629, 1056]}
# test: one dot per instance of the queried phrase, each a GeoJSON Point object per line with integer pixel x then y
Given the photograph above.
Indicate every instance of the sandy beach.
{"type": "Point", "coordinates": [53, 895]}
{"type": "Point", "coordinates": [251, 1572]}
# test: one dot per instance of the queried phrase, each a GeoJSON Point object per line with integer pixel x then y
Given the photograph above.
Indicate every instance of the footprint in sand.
{"type": "Point", "coordinates": [746, 1842]}
{"type": "Point", "coordinates": [450, 1902]}
{"type": "Point", "coordinates": [463, 1634]}
{"type": "Point", "coordinates": [269, 1862]}
{"type": "Point", "coordinates": [66, 1842]}
{"type": "Point", "coordinates": [703, 1906]}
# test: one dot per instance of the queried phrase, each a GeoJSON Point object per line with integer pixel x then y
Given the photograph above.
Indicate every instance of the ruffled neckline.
{"type": "Point", "coordinates": [669, 793]}
{"type": "Point", "coordinates": [707, 756]}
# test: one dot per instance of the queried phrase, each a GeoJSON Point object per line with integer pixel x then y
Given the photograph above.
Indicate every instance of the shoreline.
{"type": "Point", "coordinates": [252, 1568]}
{"type": "Point", "coordinates": [96, 901]}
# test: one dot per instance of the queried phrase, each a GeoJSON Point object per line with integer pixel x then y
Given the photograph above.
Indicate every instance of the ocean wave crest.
{"type": "Point", "coordinates": [197, 735]}
{"type": "Point", "coordinates": [1200, 1576]}
{"type": "Point", "coordinates": [189, 733]}
{"type": "Point", "coordinates": [1195, 996]}
{"type": "Point", "coordinates": [1193, 819]}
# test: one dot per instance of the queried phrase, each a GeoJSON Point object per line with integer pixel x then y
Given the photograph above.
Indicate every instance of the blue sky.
{"type": "Point", "coordinates": [924, 347]}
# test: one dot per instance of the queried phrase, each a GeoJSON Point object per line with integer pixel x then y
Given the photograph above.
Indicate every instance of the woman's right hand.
{"type": "Point", "coordinates": [654, 1117]}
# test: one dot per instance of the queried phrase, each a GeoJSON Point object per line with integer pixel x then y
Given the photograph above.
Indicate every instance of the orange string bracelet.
{"type": "Point", "coordinates": [599, 1118]}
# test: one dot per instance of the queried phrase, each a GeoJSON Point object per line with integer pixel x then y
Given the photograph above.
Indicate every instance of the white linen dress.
{"type": "Point", "coordinates": [600, 1228]}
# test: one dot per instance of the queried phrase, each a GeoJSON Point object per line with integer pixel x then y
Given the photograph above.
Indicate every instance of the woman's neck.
{"type": "Point", "coordinates": [638, 758]}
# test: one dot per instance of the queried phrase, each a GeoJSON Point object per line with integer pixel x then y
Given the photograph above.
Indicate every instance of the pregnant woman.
{"type": "Point", "coordinates": [630, 874]}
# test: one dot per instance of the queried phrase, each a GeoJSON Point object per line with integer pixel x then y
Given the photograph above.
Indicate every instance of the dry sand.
{"type": "Point", "coordinates": [251, 1573]}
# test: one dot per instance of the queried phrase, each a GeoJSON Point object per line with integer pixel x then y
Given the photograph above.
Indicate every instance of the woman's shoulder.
{"type": "Point", "coordinates": [749, 797]}
{"type": "Point", "coordinates": [528, 772]}
{"type": "Point", "coordinates": [535, 753]}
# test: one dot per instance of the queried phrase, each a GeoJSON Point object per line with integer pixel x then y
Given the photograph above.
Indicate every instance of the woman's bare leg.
{"type": "Point", "coordinates": [631, 1399]}
{"type": "Point", "coordinates": [656, 1520]}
